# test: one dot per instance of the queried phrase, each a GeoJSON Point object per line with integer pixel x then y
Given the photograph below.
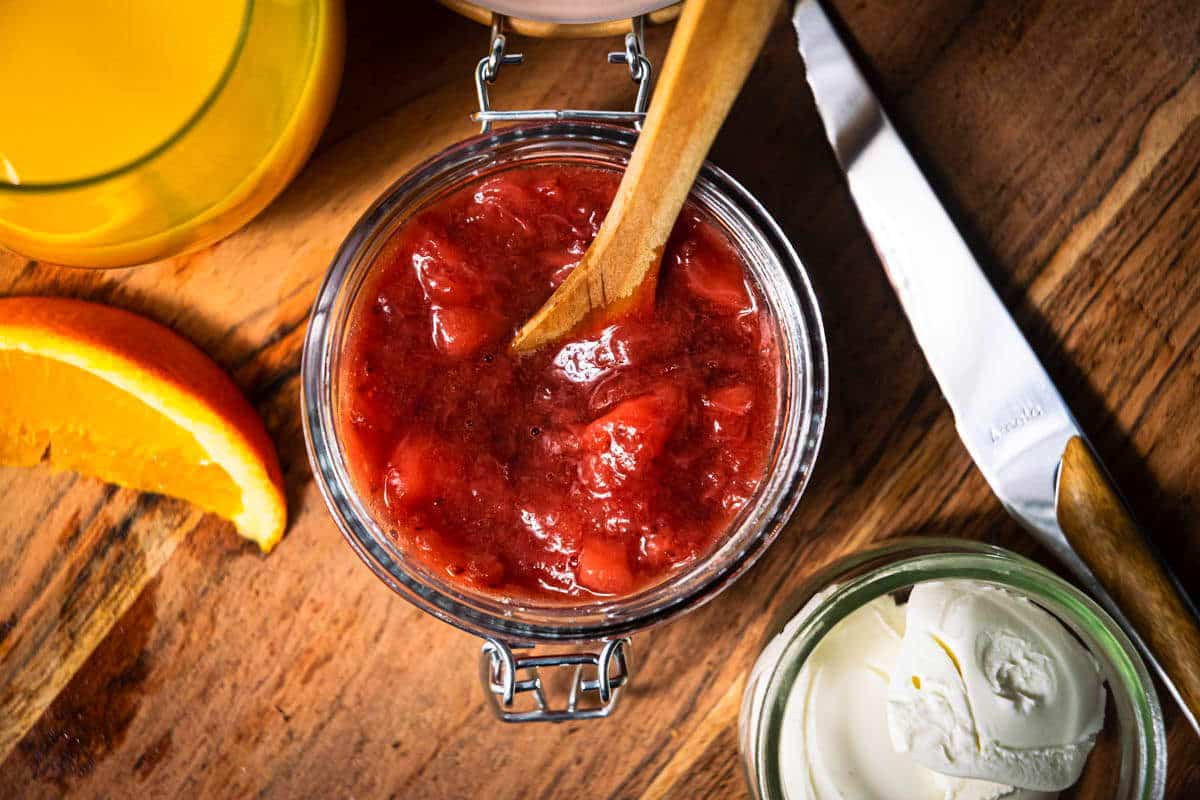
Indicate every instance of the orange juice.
{"type": "Point", "coordinates": [97, 85]}
{"type": "Point", "coordinates": [139, 129]}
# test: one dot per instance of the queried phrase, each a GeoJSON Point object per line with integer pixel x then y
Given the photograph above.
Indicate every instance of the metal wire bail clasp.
{"type": "Point", "coordinates": [488, 70]}
{"type": "Point", "coordinates": [501, 668]}
{"type": "Point", "coordinates": [640, 69]}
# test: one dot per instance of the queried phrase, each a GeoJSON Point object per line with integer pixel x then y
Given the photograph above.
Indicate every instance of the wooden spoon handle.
{"type": "Point", "coordinates": [1104, 534]}
{"type": "Point", "coordinates": [714, 45]}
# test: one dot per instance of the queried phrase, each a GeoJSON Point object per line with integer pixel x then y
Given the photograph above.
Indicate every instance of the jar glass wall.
{"type": "Point", "coordinates": [1133, 739]}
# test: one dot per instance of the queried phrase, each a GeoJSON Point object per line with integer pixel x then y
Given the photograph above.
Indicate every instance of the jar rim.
{"type": "Point", "coordinates": [564, 12]}
{"type": "Point", "coordinates": [798, 432]}
{"type": "Point", "coordinates": [855, 580]}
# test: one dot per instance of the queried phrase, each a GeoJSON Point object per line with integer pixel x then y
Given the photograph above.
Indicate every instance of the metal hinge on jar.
{"type": "Point", "coordinates": [598, 676]}
{"type": "Point", "coordinates": [488, 69]}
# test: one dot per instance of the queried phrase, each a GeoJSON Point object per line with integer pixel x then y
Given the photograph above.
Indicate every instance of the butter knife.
{"type": "Point", "coordinates": [1010, 416]}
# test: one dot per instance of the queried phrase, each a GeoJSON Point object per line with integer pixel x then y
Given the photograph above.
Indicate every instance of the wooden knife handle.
{"type": "Point", "coordinates": [1101, 530]}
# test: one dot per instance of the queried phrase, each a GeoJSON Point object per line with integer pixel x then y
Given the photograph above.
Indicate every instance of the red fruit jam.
{"type": "Point", "coordinates": [588, 469]}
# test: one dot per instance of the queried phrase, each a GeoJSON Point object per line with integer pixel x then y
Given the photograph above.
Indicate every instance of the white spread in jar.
{"type": "Point", "coordinates": [874, 714]}
{"type": "Point", "coordinates": [989, 685]}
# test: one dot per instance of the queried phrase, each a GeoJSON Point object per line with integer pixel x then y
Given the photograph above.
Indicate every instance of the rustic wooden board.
{"type": "Point", "coordinates": [1065, 136]}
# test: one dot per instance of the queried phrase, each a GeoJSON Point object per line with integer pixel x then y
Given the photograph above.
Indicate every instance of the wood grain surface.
{"type": "Point", "coordinates": [1065, 137]}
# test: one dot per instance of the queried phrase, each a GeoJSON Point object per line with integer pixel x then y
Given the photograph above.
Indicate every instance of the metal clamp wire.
{"type": "Point", "coordinates": [500, 676]}
{"type": "Point", "coordinates": [488, 70]}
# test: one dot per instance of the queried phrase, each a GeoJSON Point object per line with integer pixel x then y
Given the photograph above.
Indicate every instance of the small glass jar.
{"type": "Point", "coordinates": [1130, 758]}
{"type": "Point", "coordinates": [507, 624]}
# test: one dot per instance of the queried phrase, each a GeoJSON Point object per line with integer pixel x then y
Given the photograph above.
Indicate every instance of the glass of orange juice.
{"type": "Point", "coordinates": [135, 130]}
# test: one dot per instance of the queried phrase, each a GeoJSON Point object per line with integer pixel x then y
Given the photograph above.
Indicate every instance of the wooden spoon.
{"type": "Point", "coordinates": [714, 45]}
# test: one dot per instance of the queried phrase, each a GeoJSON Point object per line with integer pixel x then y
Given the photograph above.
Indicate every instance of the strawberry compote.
{"type": "Point", "coordinates": [588, 469]}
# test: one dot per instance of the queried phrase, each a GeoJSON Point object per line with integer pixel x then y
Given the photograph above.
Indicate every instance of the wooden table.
{"type": "Point", "coordinates": [1064, 135]}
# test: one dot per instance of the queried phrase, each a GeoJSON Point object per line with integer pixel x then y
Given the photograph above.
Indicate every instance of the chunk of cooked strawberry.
{"type": "Point", "coordinates": [708, 274]}
{"type": "Point", "coordinates": [445, 273]}
{"type": "Point", "coordinates": [735, 400]}
{"type": "Point", "coordinates": [557, 264]}
{"type": "Point", "coordinates": [621, 445]}
{"type": "Point", "coordinates": [727, 410]}
{"type": "Point", "coordinates": [483, 569]}
{"type": "Point", "coordinates": [421, 463]}
{"type": "Point", "coordinates": [588, 359]}
{"type": "Point", "coordinates": [459, 332]}
{"type": "Point", "coordinates": [408, 479]}
{"type": "Point", "coordinates": [554, 531]}
{"type": "Point", "coordinates": [440, 554]}
{"type": "Point", "coordinates": [506, 188]}
{"type": "Point", "coordinates": [660, 548]}
{"type": "Point", "coordinates": [506, 200]}
{"type": "Point", "coordinates": [604, 567]}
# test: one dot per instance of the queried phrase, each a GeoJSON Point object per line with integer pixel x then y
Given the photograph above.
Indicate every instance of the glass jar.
{"type": "Point", "coordinates": [509, 624]}
{"type": "Point", "coordinates": [1128, 763]}
{"type": "Point", "coordinates": [190, 182]}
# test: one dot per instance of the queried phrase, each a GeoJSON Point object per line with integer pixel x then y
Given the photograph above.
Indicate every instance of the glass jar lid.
{"type": "Point", "coordinates": [571, 11]}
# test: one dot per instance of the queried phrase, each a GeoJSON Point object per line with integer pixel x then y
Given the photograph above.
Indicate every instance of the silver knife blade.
{"type": "Point", "coordinates": [1008, 412]}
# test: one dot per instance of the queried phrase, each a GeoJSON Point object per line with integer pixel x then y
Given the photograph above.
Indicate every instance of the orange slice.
{"type": "Point", "coordinates": [108, 393]}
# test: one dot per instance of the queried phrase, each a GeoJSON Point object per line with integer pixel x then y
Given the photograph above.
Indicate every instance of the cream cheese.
{"type": "Point", "coordinates": [834, 743]}
{"type": "Point", "coordinates": [989, 686]}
